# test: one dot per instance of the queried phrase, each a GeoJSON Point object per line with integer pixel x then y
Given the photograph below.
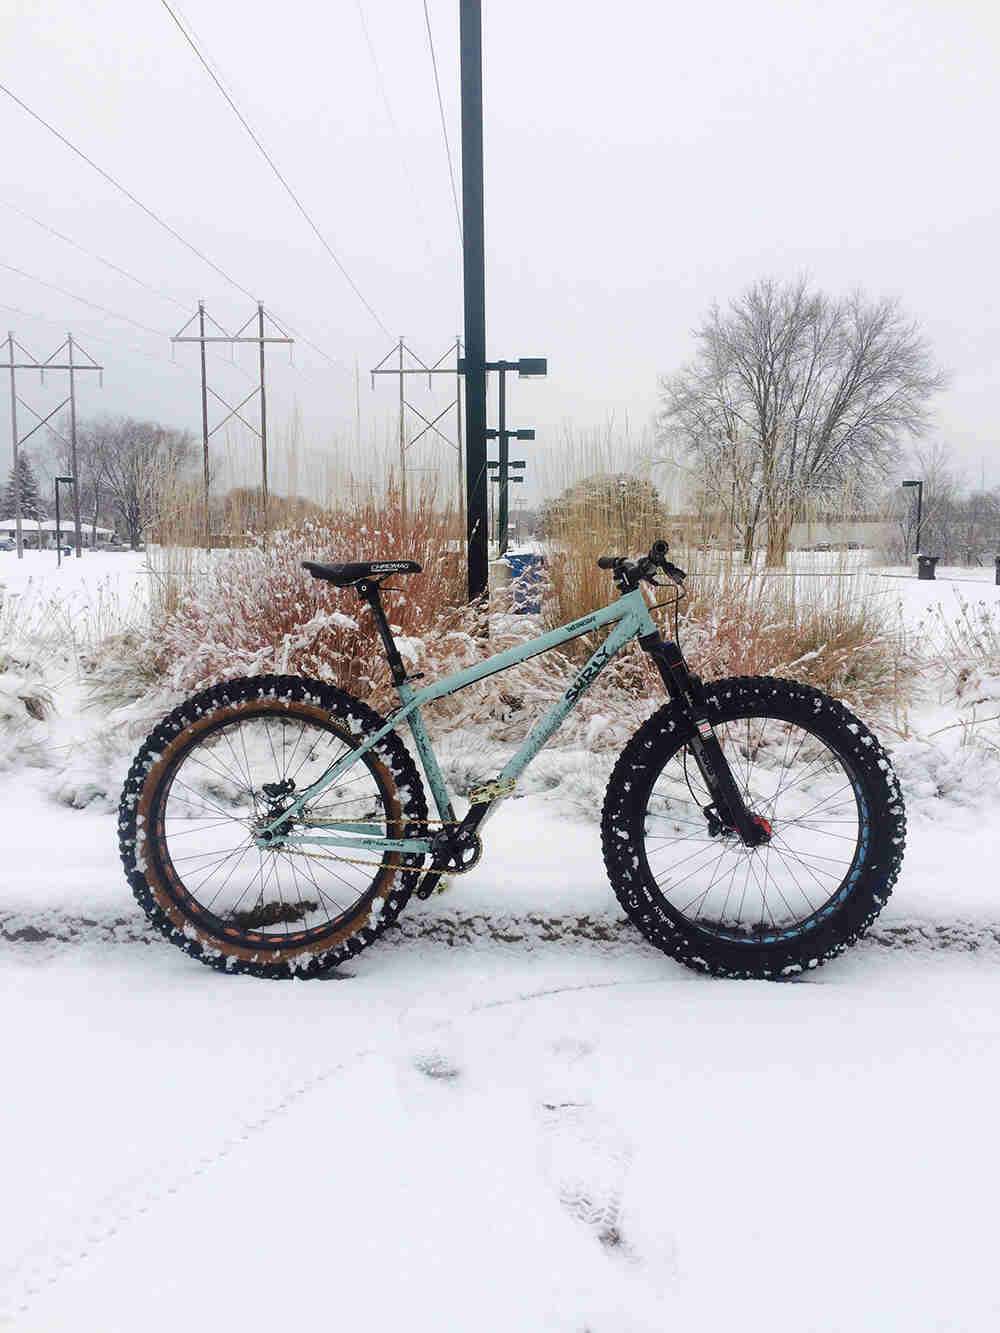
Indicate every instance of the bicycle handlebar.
{"type": "Point", "coordinates": [629, 573]}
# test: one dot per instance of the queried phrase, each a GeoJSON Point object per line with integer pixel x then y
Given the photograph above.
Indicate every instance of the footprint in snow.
{"type": "Point", "coordinates": [586, 1159]}
{"type": "Point", "coordinates": [430, 1059]}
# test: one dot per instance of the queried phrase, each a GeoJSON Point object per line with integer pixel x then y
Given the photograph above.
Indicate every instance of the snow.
{"type": "Point", "coordinates": [462, 1139]}
{"type": "Point", "coordinates": [513, 1113]}
{"type": "Point", "coordinates": [38, 569]}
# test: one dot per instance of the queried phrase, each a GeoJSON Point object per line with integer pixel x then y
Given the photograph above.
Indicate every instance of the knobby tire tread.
{"type": "Point", "coordinates": [191, 936]}
{"type": "Point", "coordinates": [632, 780]}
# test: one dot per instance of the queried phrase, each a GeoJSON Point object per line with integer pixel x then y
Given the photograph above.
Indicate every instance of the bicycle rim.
{"type": "Point", "coordinates": [232, 781]}
{"type": "Point", "coordinates": [811, 799]}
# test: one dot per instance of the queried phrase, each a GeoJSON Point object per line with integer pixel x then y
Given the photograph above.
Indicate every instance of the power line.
{"type": "Point", "coordinates": [157, 333]}
{"type": "Point", "coordinates": [150, 213]}
{"type": "Point", "coordinates": [100, 258]}
{"type": "Point", "coordinates": [63, 291]}
{"type": "Point", "coordinates": [444, 125]}
{"type": "Point", "coordinates": [274, 167]}
{"type": "Point", "coordinates": [303, 339]}
{"type": "Point", "coordinates": [132, 278]}
{"type": "Point", "coordinates": [99, 337]}
{"type": "Point", "coordinates": [380, 83]}
{"type": "Point", "coordinates": [127, 193]}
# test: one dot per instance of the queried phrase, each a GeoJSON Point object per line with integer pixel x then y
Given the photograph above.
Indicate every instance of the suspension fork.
{"type": "Point", "coordinates": [686, 690]}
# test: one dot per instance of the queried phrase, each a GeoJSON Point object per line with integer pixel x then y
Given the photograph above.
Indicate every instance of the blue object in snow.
{"type": "Point", "coordinates": [526, 571]}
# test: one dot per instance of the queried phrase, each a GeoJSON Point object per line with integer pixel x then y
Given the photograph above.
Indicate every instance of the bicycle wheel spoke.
{"type": "Point", "coordinates": [725, 886]}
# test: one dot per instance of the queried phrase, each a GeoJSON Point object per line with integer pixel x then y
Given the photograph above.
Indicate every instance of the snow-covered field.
{"type": "Point", "coordinates": [513, 1113]}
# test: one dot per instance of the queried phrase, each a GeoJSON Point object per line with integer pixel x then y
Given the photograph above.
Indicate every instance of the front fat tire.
{"type": "Point", "coordinates": [148, 783]}
{"type": "Point", "coordinates": [864, 891]}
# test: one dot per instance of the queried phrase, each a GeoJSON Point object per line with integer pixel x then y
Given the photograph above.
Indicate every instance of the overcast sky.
{"type": "Point", "coordinates": [643, 161]}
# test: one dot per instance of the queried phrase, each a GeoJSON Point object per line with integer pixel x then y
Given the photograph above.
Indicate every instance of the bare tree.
{"type": "Point", "coordinates": [138, 464]}
{"type": "Point", "coordinates": [792, 392]}
{"type": "Point", "coordinates": [95, 501]}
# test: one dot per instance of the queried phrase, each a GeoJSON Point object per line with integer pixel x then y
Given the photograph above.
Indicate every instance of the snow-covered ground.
{"type": "Point", "coordinates": [513, 1113]}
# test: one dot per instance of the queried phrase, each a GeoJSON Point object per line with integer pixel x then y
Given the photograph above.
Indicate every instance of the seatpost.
{"type": "Point", "coordinates": [368, 591]}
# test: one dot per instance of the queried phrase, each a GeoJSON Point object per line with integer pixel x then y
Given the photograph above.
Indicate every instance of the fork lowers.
{"type": "Point", "coordinates": [688, 694]}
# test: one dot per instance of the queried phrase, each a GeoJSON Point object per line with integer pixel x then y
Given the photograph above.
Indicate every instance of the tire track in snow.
{"type": "Point", "coordinates": [127, 1205]}
{"type": "Point", "coordinates": [22, 928]}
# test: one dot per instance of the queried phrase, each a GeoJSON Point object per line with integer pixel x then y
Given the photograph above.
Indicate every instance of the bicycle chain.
{"type": "Point", "coordinates": [480, 795]}
{"type": "Point", "coordinates": [363, 861]}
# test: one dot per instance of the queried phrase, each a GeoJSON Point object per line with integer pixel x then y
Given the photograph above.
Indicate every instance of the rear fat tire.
{"type": "Point", "coordinates": [156, 884]}
{"type": "Point", "coordinates": [868, 878]}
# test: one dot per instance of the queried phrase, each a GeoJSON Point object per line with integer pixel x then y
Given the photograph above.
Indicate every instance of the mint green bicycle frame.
{"type": "Point", "coordinates": [630, 610]}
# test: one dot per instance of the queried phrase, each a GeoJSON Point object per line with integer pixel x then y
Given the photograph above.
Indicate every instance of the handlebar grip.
{"type": "Point", "coordinates": [658, 551]}
{"type": "Point", "coordinates": [607, 561]}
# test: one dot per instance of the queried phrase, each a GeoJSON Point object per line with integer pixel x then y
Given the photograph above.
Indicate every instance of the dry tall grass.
{"type": "Point", "coordinates": [834, 629]}
{"type": "Point", "coordinates": [252, 610]}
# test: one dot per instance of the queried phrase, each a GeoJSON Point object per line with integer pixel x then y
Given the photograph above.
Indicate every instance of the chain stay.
{"type": "Point", "coordinates": [482, 794]}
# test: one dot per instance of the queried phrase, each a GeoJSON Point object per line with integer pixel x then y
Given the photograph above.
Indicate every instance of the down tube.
{"type": "Point", "coordinates": [556, 715]}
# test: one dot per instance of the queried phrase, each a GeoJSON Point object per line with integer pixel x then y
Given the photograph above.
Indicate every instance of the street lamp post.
{"type": "Point", "coordinates": [920, 502]}
{"type": "Point", "coordinates": [66, 481]}
{"type": "Point", "coordinates": [527, 367]}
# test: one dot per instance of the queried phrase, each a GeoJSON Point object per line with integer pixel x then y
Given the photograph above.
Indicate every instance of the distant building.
{"type": "Point", "coordinates": [41, 533]}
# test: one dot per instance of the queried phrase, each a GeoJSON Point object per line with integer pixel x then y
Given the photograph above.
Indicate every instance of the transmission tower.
{"type": "Point", "coordinates": [240, 336]}
{"type": "Point", "coordinates": [402, 369]}
{"type": "Point", "coordinates": [14, 348]}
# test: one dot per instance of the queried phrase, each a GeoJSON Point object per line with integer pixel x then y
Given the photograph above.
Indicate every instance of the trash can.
{"type": "Point", "coordinates": [926, 565]}
{"type": "Point", "coordinates": [526, 574]}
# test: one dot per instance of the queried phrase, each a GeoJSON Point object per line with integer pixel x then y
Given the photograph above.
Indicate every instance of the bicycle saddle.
{"type": "Point", "coordinates": [342, 576]}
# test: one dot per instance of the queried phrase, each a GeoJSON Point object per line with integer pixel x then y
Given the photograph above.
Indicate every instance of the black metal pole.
{"type": "Point", "coordinates": [58, 533]}
{"type": "Point", "coordinates": [474, 281]}
{"type": "Point", "coordinates": [503, 512]}
{"type": "Point", "coordinates": [920, 506]}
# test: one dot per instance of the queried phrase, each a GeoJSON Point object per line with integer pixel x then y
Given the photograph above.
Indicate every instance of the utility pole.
{"type": "Point", "coordinates": [263, 409]}
{"type": "Point", "coordinates": [403, 353]}
{"type": "Point", "coordinates": [402, 442]}
{"type": "Point", "coordinates": [222, 336]}
{"type": "Point", "coordinates": [14, 348]}
{"type": "Point", "coordinates": [204, 426]}
{"type": "Point", "coordinates": [74, 470]}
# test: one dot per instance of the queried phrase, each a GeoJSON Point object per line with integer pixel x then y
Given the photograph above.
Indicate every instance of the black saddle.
{"type": "Point", "coordinates": [342, 576]}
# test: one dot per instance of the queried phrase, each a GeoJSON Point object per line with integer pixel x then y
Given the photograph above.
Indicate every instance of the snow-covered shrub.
{"type": "Point", "coordinates": [505, 707]}
{"type": "Point", "coordinates": [256, 610]}
{"type": "Point", "coordinates": [961, 647]}
{"type": "Point", "coordinates": [25, 706]}
{"type": "Point", "coordinates": [837, 633]}
{"type": "Point", "coordinates": [842, 635]}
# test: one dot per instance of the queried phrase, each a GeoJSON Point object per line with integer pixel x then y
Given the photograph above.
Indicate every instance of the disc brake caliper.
{"type": "Point", "coordinates": [275, 794]}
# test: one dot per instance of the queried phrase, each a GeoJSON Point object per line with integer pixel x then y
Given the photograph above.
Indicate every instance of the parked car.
{"type": "Point", "coordinates": [6, 545]}
{"type": "Point", "coordinates": [822, 546]}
